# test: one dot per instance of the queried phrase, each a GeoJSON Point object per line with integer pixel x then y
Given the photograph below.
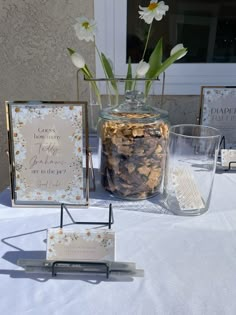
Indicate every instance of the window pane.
{"type": "Point", "coordinates": [206, 27]}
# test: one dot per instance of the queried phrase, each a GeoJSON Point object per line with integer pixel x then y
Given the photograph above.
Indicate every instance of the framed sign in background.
{"type": "Point", "coordinates": [47, 141]}
{"type": "Point", "coordinates": [218, 109]}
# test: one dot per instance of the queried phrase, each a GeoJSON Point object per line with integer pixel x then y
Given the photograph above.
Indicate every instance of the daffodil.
{"type": "Point", "coordinates": [142, 69]}
{"type": "Point", "coordinates": [155, 10]}
{"type": "Point", "coordinates": [85, 29]}
{"type": "Point", "coordinates": [177, 48]}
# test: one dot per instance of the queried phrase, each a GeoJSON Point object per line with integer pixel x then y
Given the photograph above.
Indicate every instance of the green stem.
{"type": "Point", "coordinates": [144, 52]}
{"type": "Point", "coordinates": [97, 92]}
{"type": "Point", "coordinates": [88, 74]}
{"type": "Point", "coordinates": [147, 40]}
{"type": "Point", "coordinates": [134, 83]}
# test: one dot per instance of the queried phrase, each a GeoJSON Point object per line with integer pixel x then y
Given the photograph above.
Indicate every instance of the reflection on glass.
{"type": "Point", "coordinates": [206, 27]}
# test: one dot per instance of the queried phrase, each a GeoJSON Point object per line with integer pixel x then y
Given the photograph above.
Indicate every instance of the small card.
{"type": "Point", "coordinates": [228, 156]}
{"type": "Point", "coordinates": [88, 244]}
{"type": "Point", "coordinates": [186, 189]}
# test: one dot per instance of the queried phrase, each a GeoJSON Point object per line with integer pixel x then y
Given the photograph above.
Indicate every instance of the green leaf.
{"type": "Point", "coordinates": [128, 82]}
{"type": "Point", "coordinates": [155, 61]}
{"type": "Point", "coordinates": [88, 73]}
{"type": "Point", "coordinates": [109, 72]}
{"type": "Point", "coordinates": [71, 51]}
{"type": "Point", "coordinates": [168, 62]}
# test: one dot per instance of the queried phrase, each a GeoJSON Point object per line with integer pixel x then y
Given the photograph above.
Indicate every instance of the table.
{"type": "Point", "coordinates": [189, 262]}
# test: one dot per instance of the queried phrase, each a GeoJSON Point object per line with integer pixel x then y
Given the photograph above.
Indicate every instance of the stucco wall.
{"type": "Point", "coordinates": [34, 63]}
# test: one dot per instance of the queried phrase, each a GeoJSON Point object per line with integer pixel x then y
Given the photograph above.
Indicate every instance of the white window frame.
{"type": "Point", "coordinates": [181, 79]}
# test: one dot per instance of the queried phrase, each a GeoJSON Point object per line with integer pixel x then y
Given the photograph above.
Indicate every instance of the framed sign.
{"type": "Point", "coordinates": [48, 152]}
{"type": "Point", "coordinates": [218, 109]}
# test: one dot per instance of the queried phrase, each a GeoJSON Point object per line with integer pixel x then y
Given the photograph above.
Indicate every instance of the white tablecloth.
{"type": "Point", "coordinates": [189, 262]}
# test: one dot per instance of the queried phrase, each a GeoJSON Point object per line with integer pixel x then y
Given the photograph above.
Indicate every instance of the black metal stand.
{"type": "Point", "coordinates": [221, 147]}
{"type": "Point", "coordinates": [86, 268]}
{"type": "Point", "coordinates": [91, 266]}
{"type": "Point", "coordinates": [230, 163]}
{"type": "Point", "coordinates": [91, 173]}
{"type": "Point", "coordinates": [109, 223]}
{"type": "Point", "coordinates": [222, 143]}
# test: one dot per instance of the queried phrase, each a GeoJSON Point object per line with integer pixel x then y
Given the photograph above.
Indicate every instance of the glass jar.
{"type": "Point", "coordinates": [191, 164]}
{"type": "Point", "coordinates": [133, 140]}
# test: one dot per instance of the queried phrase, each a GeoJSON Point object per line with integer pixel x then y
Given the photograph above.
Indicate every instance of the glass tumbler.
{"type": "Point", "coordinates": [190, 168]}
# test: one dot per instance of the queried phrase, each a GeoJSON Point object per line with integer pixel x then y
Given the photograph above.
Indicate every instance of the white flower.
{"type": "Point", "coordinates": [88, 235]}
{"type": "Point", "coordinates": [109, 243]}
{"type": "Point", "coordinates": [78, 60]}
{"type": "Point", "coordinates": [155, 10]}
{"type": "Point", "coordinates": [85, 29]}
{"type": "Point", "coordinates": [142, 69]}
{"type": "Point", "coordinates": [176, 49]}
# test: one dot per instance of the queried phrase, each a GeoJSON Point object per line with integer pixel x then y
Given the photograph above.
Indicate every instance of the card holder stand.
{"type": "Point", "coordinates": [222, 143]}
{"type": "Point", "coordinates": [113, 268]}
{"type": "Point", "coordinates": [90, 266]}
{"type": "Point", "coordinates": [223, 146]}
{"type": "Point", "coordinates": [229, 167]}
{"type": "Point", "coordinates": [108, 223]}
{"type": "Point", "coordinates": [92, 187]}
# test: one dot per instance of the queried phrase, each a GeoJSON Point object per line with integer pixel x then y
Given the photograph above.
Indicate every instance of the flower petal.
{"type": "Point", "coordinates": [176, 48]}
{"type": "Point", "coordinates": [142, 69]}
{"type": "Point", "coordinates": [85, 29]}
{"type": "Point", "coordinates": [78, 60]}
{"type": "Point", "coordinates": [148, 14]}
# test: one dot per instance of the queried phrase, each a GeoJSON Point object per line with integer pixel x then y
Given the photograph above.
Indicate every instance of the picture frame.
{"type": "Point", "coordinates": [48, 153]}
{"type": "Point", "coordinates": [218, 110]}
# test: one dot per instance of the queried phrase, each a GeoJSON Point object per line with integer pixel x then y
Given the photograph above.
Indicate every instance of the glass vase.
{"type": "Point", "coordinates": [190, 168]}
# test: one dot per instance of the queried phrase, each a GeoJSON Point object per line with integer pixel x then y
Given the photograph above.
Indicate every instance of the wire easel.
{"type": "Point", "coordinates": [108, 223]}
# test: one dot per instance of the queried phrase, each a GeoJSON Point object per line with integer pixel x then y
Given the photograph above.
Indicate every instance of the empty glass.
{"type": "Point", "coordinates": [190, 168]}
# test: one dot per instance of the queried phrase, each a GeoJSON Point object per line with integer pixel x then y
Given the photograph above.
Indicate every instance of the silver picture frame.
{"type": "Point", "coordinates": [218, 110]}
{"type": "Point", "coordinates": [48, 153]}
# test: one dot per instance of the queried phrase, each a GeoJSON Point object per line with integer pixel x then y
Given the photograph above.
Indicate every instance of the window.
{"type": "Point", "coordinates": [206, 27]}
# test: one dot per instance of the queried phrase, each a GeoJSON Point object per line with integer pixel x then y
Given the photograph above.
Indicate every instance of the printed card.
{"type": "Point", "coordinates": [186, 189]}
{"type": "Point", "coordinates": [88, 244]}
{"type": "Point", "coordinates": [228, 156]}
